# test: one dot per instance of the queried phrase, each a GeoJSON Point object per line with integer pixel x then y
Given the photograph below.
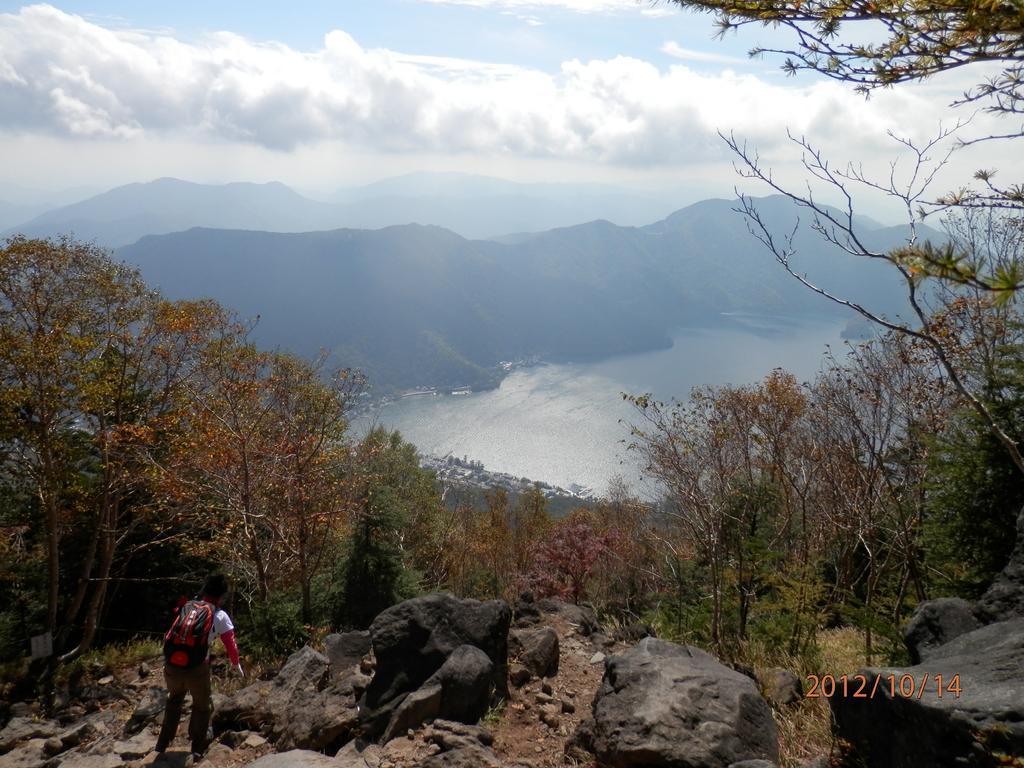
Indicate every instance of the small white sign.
{"type": "Point", "coordinates": [42, 646]}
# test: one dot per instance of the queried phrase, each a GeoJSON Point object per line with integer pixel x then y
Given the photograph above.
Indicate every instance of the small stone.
{"type": "Point", "coordinates": [549, 719]}
{"type": "Point", "coordinates": [543, 698]}
{"type": "Point", "coordinates": [143, 669]}
{"type": "Point", "coordinates": [106, 680]}
{"type": "Point", "coordinates": [546, 688]}
{"type": "Point", "coordinates": [519, 675]}
{"type": "Point", "coordinates": [538, 749]}
{"type": "Point", "coordinates": [597, 658]}
{"type": "Point", "coordinates": [254, 741]}
{"type": "Point", "coordinates": [568, 707]}
{"type": "Point", "coordinates": [53, 746]}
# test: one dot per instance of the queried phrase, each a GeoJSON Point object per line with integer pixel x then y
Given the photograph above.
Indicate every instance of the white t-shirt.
{"type": "Point", "coordinates": [221, 626]}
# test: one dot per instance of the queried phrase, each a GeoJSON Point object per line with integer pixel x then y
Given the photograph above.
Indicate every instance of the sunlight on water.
{"type": "Point", "coordinates": [567, 424]}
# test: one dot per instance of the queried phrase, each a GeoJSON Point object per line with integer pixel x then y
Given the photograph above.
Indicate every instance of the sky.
{"type": "Point", "coordinates": [325, 95]}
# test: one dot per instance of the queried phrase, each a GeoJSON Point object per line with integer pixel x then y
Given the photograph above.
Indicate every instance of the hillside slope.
{"type": "Point", "coordinates": [418, 305]}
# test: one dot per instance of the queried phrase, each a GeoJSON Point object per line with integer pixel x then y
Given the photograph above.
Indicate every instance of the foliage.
{"type": "Point", "coordinates": [976, 492]}
{"type": "Point", "coordinates": [393, 502]}
{"type": "Point", "coordinates": [918, 39]}
{"type": "Point", "coordinates": [567, 558]}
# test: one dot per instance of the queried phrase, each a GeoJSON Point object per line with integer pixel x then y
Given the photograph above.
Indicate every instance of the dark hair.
{"type": "Point", "coordinates": [216, 585]}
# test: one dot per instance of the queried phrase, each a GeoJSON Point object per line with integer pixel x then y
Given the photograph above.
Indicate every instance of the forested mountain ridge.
{"type": "Point", "coordinates": [419, 305]}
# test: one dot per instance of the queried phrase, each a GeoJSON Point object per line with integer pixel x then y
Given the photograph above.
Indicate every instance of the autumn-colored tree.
{"type": "Point", "coordinates": [311, 474]}
{"type": "Point", "coordinates": [257, 463]}
{"type": "Point", "coordinates": [90, 359]}
{"type": "Point", "coordinates": [567, 557]}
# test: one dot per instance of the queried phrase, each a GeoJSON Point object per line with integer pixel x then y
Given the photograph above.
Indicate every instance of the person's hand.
{"type": "Point", "coordinates": [241, 671]}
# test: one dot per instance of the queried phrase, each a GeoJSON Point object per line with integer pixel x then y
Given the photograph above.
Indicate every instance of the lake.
{"type": "Point", "coordinates": [567, 423]}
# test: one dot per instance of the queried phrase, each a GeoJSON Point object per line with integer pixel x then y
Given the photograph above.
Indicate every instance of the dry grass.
{"type": "Point", "coordinates": [111, 658]}
{"type": "Point", "coordinates": [805, 729]}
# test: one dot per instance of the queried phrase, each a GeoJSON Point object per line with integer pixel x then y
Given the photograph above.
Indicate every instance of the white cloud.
{"type": "Point", "coordinates": [65, 76]}
{"type": "Point", "coordinates": [686, 54]}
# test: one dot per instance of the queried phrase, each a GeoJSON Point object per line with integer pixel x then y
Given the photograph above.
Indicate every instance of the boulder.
{"type": "Point", "coordinates": [418, 707]}
{"type": "Point", "coordinates": [466, 680]}
{"type": "Point", "coordinates": [413, 640]}
{"type": "Point", "coordinates": [525, 610]}
{"type": "Point", "coordinates": [296, 758]}
{"type": "Point", "coordinates": [781, 687]}
{"type": "Point", "coordinates": [935, 623]}
{"type": "Point", "coordinates": [924, 729]}
{"type": "Point", "coordinates": [300, 707]}
{"type": "Point", "coordinates": [582, 616]}
{"type": "Point", "coordinates": [536, 649]}
{"type": "Point", "coordinates": [1004, 599]}
{"type": "Point", "coordinates": [148, 709]}
{"type": "Point", "coordinates": [346, 650]}
{"type": "Point", "coordinates": [460, 690]}
{"type": "Point", "coordinates": [662, 704]}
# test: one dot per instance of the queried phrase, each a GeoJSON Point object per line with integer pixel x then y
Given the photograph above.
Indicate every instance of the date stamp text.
{"type": "Point", "coordinates": [904, 685]}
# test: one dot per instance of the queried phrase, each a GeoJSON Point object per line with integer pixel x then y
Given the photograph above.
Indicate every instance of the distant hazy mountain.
{"type": "Point", "coordinates": [487, 207]}
{"type": "Point", "coordinates": [12, 214]}
{"type": "Point", "coordinates": [125, 214]}
{"type": "Point", "coordinates": [473, 206]}
{"type": "Point", "coordinates": [421, 305]}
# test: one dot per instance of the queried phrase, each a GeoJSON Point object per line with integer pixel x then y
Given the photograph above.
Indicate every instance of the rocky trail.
{"type": "Point", "coordinates": [441, 681]}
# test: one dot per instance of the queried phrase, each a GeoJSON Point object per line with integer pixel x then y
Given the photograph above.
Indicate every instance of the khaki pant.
{"type": "Point", "coordinates": [195, 681]}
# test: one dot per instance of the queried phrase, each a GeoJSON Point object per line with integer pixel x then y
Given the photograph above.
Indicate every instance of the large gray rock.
{"type": "Point", "coordinates": [301, 707]}
{"type": "Point", "coordinates": [414, 639]}
{"type": "Point", "coordinates": [988, 716]}
{"type": "Point", "coordinates": [536, 649]}
{"type": "Point", "coordinates": [934, 623]}
{"type": "Point", "coordinates": [346, 650]}
{"type": "Point", "coordinates": [582, 616]}
{"type": "Point", "coordinates": [466, 682]}
{"type": "Point", "coordinates": [1004, 599]}
{"type": "Point", "coordinates": [459, 691]}
{"type": "Point", "coordinates": [418, 707]}
{"type": "Point", "coordinates": [663, 705]}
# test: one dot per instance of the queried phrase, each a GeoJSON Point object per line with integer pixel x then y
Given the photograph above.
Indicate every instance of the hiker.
{"type": "Point", "coordinates": [187, 662]}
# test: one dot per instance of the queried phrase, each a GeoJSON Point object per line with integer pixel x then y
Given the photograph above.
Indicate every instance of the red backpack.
{"type": "Point", "coordinates": [187, 641]}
